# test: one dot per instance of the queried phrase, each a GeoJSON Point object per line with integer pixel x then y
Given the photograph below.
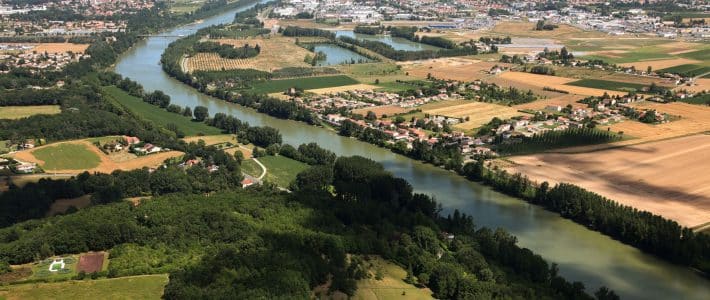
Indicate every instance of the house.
{"type": "Point", "coordinates": [131, 140]}
{"type": "Point", "coordinates": [247, 182]}
{"type": "Point", "coordinates": [25, 168]}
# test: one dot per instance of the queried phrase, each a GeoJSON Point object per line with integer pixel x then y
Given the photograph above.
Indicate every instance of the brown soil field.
{"type": "Point", "coordinates": [344, 88]}
{"type": "Point", "coordinates": [479, 113]}
{"type": "Point", "coordinates": [660, 64]}
{"type": "Point", "coordinates": [563, 101]}
{"type": "Point", "coordinates": [452, 69]}
{"type": "Point", "coordinates": [60, 206]}
{"type": "Point", "coordinates": [675, 48]}
{"type": "Point", "coordinates": [107, 165]}
{"type": "Point", "coordinates": [388, 110]}
{"type": "Point", "coordinates": [701, 84]}
{"type": "Point", "coordinates": [91, 262]}
{"type": "Point", "coordinates": [610, 53]}
{"type": "Point", "coordinates": [543, 80]}
{"type": "Point", "coordinates": [60, 48]}
{"type": "Point", "coordinates": [275, 53]}
{"type": "Point", "coordinates": [664, 177]}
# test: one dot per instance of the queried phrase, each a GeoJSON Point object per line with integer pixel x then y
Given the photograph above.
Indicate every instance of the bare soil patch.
{"type": "Point", "coordinates": [91, 262]}
{"type": "Point", "coordinates": [664, 177]}
{"type": "Point", "coordinates": [524, 80]}
{"type": "Point", "coordinates": [452, 69]}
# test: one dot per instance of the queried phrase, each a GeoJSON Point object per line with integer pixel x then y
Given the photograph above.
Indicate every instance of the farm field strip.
{"type": "Point", "coordinates": [606, 84]}
{"type": "Point", "coordinates": [19, 112]}
{"type": "Point", "coordinates": [479, 113]}
{"type": "Point", "coordinates": [306, 83]}
{"type": "Point", "coordinates": [382, 110]}
{"type": "Point", "coordinates": [344, 88]}
{"type": "Point", "coordinates": [133, 287]}
{"type": "Point", "coordinates": [275, 53]}
{"type": "Point", "coordinates": [660, 64]}
{"type": "Point", "coordinates": [662, 177]}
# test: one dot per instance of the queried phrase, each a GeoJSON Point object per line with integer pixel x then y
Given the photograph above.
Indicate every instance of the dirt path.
{"type": "Point", "coordinates": [263, 169]}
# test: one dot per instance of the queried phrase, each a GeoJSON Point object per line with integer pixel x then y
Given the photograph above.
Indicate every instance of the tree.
{"type": "Point", "coordinates": [187, 112]}
{"type": "Point", "coordinates": [201, 113]}
{"type": "Point", "coordinates": [371, 116]}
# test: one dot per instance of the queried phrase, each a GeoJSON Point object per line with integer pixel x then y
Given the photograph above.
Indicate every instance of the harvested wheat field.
{"type": "Point", "coordinates": [479, 113]}
{"type": "Point", "coordinates": [639, 79]}
{"type": "Point", "coordinates": [701, 84]}
{"type": "Point", "coordinates": [525, 29]}
{"type": "Point", "coordinates": [452, 69]}
{"type": "Point", "coordinates": [693, 119]}
{"type": "Point", "coordinates": [275, 53]}
{"type": "Point", "coordinates": [665, 177]}
{"type": "Point", "coordinates": [562, 101]}
{"type": "Point", "coordinates": [660, 64]}
{"type": "Point", "coordinates": [344, 88]}
{"type": "Point", "coordinates": [388, 110]}
{"type": "Point", "coordinates": [106, 164]}
{"type": "Point", "coordinates": [523, 80]}
{"type": "Point", "coordinates": [60, 48]}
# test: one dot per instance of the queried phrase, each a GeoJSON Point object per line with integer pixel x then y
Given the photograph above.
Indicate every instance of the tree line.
{"type": "Point", "coordinates": [228, 51]}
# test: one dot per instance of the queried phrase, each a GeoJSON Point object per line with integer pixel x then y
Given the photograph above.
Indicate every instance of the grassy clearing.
{"type": "Point", "coordinates": [281, 170]}
{"type": "Point", "coordinates": [390, 285]}
{"type": "Point", "coordinates": [158, 115]}
{"type": "Point", "coordinates": [67, 156]}
{"type": "Point", "coordinates": [275, 86]}
{"type": "Point", "coordinates": [19, 112]}
{"type": "Point", "coordinates": [608, 85]}
{"type": "Point", "coordinates": [250, 167]}
{"type": "Point", "coordinates": [690, 70]}
{"type": "Point", "coordinates": [136, 287]}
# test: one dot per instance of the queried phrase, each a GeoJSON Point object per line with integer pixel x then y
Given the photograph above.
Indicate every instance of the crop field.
{"type": "Point", "coordinates": [525, 29]}
{"type": "Point", "coordinates": [158, 115]}
{"type": "Point", "coordinates": [689, 70]}
{"type": "Point", "coordinates": [381, 110]}
{"type": "Point", "coordinates": [306, 83]}
{"type": "Point", "coordinates": [694, 119]}
{"type": "Point", "coordinates": [212, 139]}
{"type": "Point", "coordinates": [657, 65]}
{"type": "Point", "coordinates": [523, 80]}
{"type": "Point", "coordinates": [67, 156]}
{"type": "Point", "coordinates": [461, 69]}
{"type": "Point", "coordinates": [479, 113]}
{"type": "Point", "coordinates": [371, 72]}
{"type": "Point", "coordinates": [662, 177]}
{"type": "Point", "coordinates": [134, 287]}
{"type": "Point", "coordinates": [703, 55]}
{"type": "Point", "coordinates": [344, 88]}
{"type": "Point", "coordinates": [276, 53]}
{"type": "Point", "coordinates": [60, 48]}
{"type": "Point", "coordinates": [74, 157]}
{"type": "Point", "coordinates": [608, 85]}
{"type": "Point", "coordinates": [562, 101]}
{"type": "Point", "coordinates": [701, 84]}
{"type": "Point", "coordinates": [19, 112]}
{"type": "Point", "coordinates": [643, 80]}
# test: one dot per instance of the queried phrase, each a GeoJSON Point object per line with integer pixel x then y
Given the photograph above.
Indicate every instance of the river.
{"type": "Point", "coordinates": [582, 255]}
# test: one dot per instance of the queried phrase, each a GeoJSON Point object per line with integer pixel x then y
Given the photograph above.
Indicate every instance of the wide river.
{"type": "Point", "coordinates": [582, 255]}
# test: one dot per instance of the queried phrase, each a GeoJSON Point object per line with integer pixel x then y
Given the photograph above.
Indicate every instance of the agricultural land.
{"type": "Point", "coordinates": [663, 177]}
{"type": "Point", "coordinates": [18, 112]}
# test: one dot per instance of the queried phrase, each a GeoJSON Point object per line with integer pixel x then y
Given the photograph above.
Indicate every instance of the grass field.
{"type": "Point", "coordinates": [67, 156]}
{"type": "Point", "coordinates": [308, 83]}
{"type": "Point", "coordinates": [135, 287]}
{"type": "Point", "coordinates": [19, 112]}
{"type": "Point", "coordinates": [158, 115]}
{"type": "Point", "coordinates": [689, 70]}
{"type": "Point", "coordinates": [608, 85]}
{"type": "Point", "coordinates": [281, 170]}
{"type": "Point", "coordinates": [390, 286]}
{"type": "Point", "coordinates": [703, 55]}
